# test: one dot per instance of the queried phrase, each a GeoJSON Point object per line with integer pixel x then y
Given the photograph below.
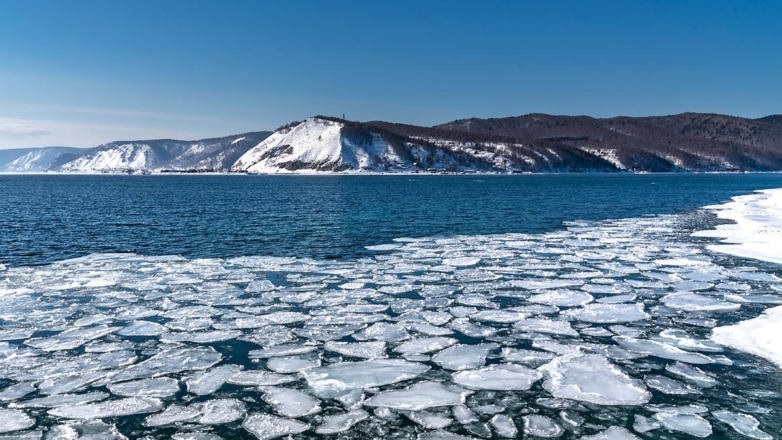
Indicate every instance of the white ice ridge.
{"type": "Point", "coordinates": [757, 231]}
{"type": "Point", "coordinates": [759, 336]}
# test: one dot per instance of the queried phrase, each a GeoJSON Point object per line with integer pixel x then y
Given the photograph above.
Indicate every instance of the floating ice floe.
{"type": "Point", "coordinates": [424, 345]}
{"type": "Point", "coordinates": [142, 328]}
{"type": "Point", "coordinates": [210, 381]}
{"type": "Point", "coordinates": [464, 414]}
{"type": "Point", "coordinates": [691, 424]}
{"type": "Point", "coordinates": [691, 374]}
{"type": "Point", "coordinates": [196, 435]}
{"type": "Point", "coordinates": [608, 313]}
{"type": "Point", "coordinates": [282, 350]}
{"type": "Point", "coordinates": [662, 350]}
{"type": "Point", "coordinates": [71, 338]}
{"type": "Point", "coordinates": [527, 357]}
{"type": "Point", "coordinates": [643, 424]}
{"type": "Point", "coordinates": [692, 302]}
{"type": "Point", "coordinates": [14, 420]}
{"type": "Point", "coordinates": [292, 364]}
{"type": "Point", "coordinates": [468, 328]}
{"type": "Point", "coordinates": [441, 435]}
{"type": "Point", "coordinates": [220, 411]}
{"type": "Point", "coordinates": [545, 326]}
{"type": "Point", "coordinates": [337, 379]}
{"type": "Point", "coordinates": [428, 329]}
{"type": "Point", "coordinates": [537, 284]}
{"type": "Point", "coordinates": [16, 334]}
{"type": "Point", "coordinates": [207, 337]}
{"type": "Point", "coordinates": [163, 387]}
{"type": "Point", "coordinates": [15, 392]}
{"type": "Point", "coordinates": [168, 362]}
{"type": "Point", "coordinates": [612, 433]}
{"type": "Point", "coordinates": [542, 426]}
{"type": "Point", "coordinates": [62, 400]}
{"type": "Point", "coordinates": [418, 397]}
{"type": "Point", "coordinates": [428, 420]}
{"type": "Point", "coordinates": [685, 341]}
{"type": "Point", "coordinates": [503, 377]}
{"type": "Point", "coordinates": [667, 385]}
{"type": "Point", "coordinates": [461, 262]}
{"type": "Point", "coordinates": [504, 426]}
{"type": "Point", "coordinates": [384, 247]}
{"type": "Point", "coordinates": [173, 414]}
{"type": "Point", "coordinates": [260, 378]}
{"type": "Point", "coordinates": [498, 316]}
{"type": "Point", "coordinates": [290, 402]}
{"type": "Point", "coordinates": [337, 423]}
{"type": "Point", "coordinates": [463, 357]}
{"type": "Point", "coordinates": [109, 408]}
{"type": "Point", "coordinates": [744, 424]}
{"type": "Point", "coordinates": [562, 298]}
{"type": "Point", "coordinates": [366, 350]}
{"type": "Point", "coordinates": [91, 429]}
{"type": "Point", "coordinates": [592, 378]}
{"type": "Point", "coordinates": [265, 426]}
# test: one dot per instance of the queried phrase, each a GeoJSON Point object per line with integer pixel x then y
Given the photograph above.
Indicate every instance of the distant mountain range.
{"type": "Point", "coordinates": [134, 156]}
{"type": "Point", "coordinates": [31, 160]}
{"type": "Point", "coordinates": [529, 143]}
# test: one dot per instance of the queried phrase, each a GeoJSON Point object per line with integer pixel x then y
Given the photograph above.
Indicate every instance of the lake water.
{"type": "Point", "coordinates": [429, 307]}
{"type": "Point", "coordinates": [53, 217]}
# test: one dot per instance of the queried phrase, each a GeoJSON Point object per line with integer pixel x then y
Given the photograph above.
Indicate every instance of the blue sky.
{"type": "Point", "coordinates": [84, 72]}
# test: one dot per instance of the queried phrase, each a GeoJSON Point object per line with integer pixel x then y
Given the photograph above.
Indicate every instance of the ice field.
{"type": "Point", "coordinates": [618, 329]}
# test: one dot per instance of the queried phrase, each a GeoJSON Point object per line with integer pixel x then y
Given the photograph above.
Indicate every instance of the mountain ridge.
{"type": "Point", "coordinates": [28, 160]}
{"type": "Point", "coordinates": [160, 155]}
{"type": "Point", "coordinates": [535, 142]}
{"type": "Point", "coordinates": [682, 142]}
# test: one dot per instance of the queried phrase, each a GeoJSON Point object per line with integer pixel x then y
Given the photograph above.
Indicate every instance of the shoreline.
{"type": "Point", "coordinates": [376, 173]}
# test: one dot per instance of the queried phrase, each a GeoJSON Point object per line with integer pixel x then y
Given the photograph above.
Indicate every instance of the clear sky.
{"type": "Point", "coordinates": [82, 72]}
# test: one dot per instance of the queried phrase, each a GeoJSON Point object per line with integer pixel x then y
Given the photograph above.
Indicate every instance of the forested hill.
{"type": "Point", "coordinates": [683, 142]}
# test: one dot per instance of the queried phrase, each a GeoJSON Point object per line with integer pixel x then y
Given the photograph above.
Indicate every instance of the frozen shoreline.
{"type": "Point", "coordinates": [757, 336]}
{"type": "Point", "coordinates": [756, 234]}
{"type": "Point", "coordinates": [757, 231]}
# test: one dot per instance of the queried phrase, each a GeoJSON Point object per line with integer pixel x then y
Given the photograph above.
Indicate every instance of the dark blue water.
{"type": "Point", "coordinates": [44, 218]}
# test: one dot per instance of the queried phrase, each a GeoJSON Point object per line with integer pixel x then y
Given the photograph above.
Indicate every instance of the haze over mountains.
{"type": "Point", "coordinates": [529, 143]}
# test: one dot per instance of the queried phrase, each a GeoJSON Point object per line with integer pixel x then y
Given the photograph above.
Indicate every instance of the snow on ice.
{"type": "Point", "coordinates": [430, 338]}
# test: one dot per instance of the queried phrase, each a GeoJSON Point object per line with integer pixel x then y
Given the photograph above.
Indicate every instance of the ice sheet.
{"type": "Point", "coordinates": [759, 336]}
{"type": "Point", "coordinates": [757, 231]}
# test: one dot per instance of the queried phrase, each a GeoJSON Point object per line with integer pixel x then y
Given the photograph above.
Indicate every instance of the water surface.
{"type": "Point", "coordinates": [45, 218]}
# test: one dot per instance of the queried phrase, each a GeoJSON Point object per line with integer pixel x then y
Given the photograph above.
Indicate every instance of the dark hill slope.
{"type": "Point", "coordinates": [688, 141]}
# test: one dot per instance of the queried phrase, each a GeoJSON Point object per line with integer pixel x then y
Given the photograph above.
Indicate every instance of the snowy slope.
{"type": "Point", "coordinates": [10, 155]}
{"type": "Point", "coordinates": [39, 159]}
{"type": "Point", "coordinates": [322, 144]}
{"type": "Point", "coordinates": [158, 155]}
{"type": "Point", "coordinates": [314, 145]}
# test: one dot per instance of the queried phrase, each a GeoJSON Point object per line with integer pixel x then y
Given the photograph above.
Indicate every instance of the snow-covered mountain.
{"type": "Point", "coordinates": [39, 159]}
{"type": "Point", "coordinates": [167, 154]}
{"type": "Point", "coordinates": [323, 144]}
{"type": "Point", "coordinates": [531, 143]}
{"type": "Point", "coordinates": [317, 144]}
